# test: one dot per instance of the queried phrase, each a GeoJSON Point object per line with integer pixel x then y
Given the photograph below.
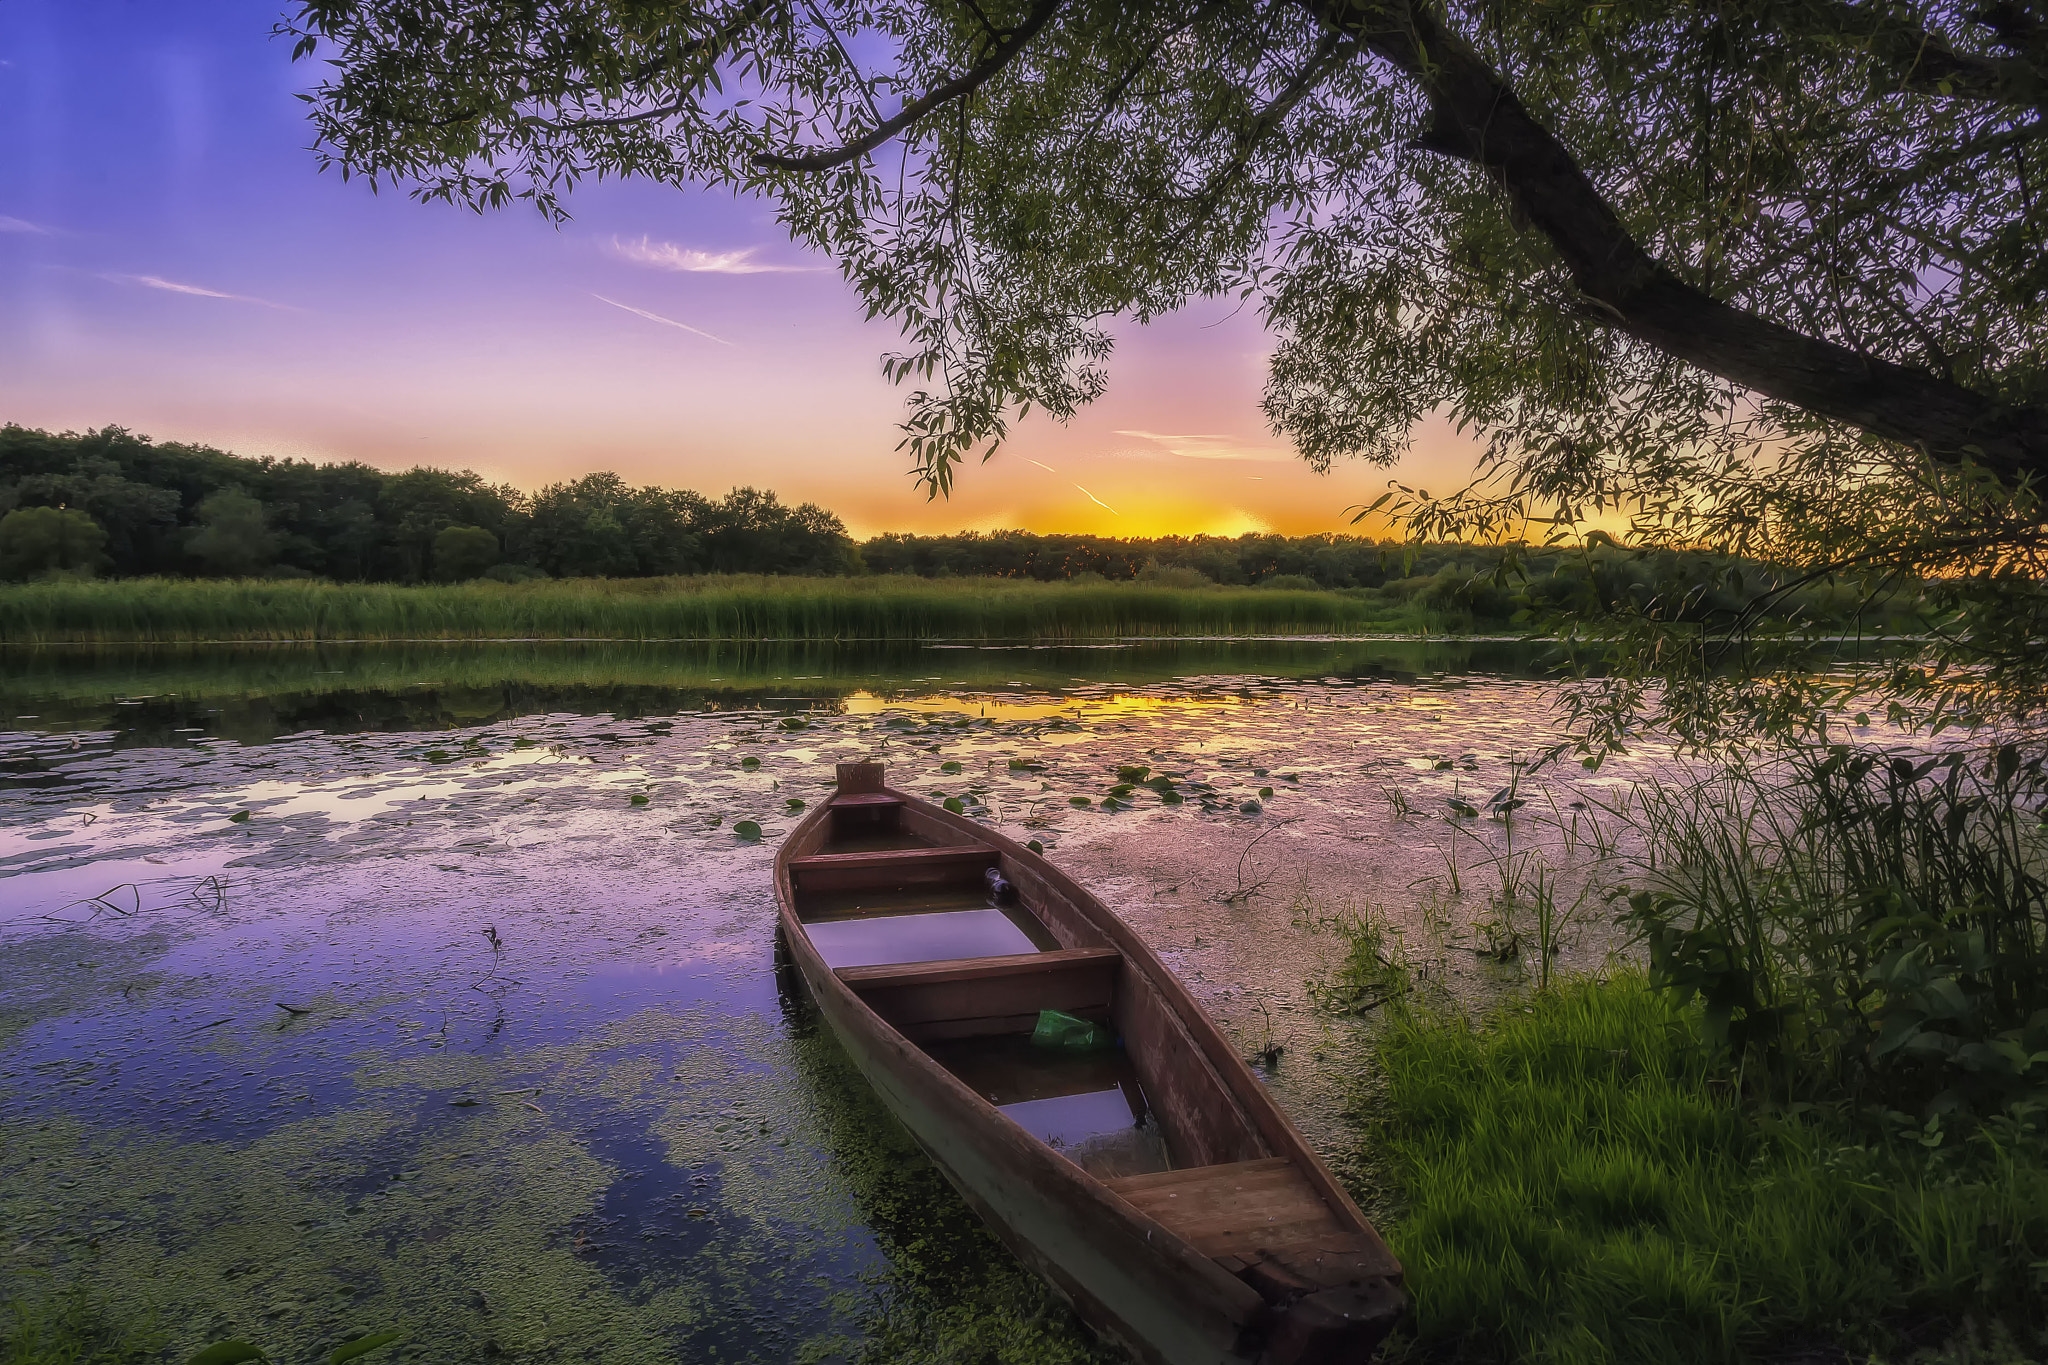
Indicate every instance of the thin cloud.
{"type": "Point", "coordinates": [194, 290]}
{"type": "Point", "coordinates": [23, 225]}
{"type": "Point", "coordinates": [1097, 501]}
{"type": "Point", "coordinates": [686, 260]}
{"type": "Point", "coordinates": [1209, 446]}
{"type": "Point", "coordinates": [666, 322]}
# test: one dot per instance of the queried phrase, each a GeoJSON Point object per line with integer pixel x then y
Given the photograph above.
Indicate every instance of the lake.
{"type": "Point", "coordinates": [430, 987]}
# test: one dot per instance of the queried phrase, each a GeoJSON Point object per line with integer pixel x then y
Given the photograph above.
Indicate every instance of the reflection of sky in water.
{"type": "Point", "coordinates": [478, 1043]}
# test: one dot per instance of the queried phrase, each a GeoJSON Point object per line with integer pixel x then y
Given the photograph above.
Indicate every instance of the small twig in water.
{"type": "Point", "coordinates": [1244, 892]}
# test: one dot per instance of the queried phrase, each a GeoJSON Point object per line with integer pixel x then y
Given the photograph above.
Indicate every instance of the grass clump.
{"type": "Point", "coordinates": [1578, 1183]}
{"type": "Point", "coordinates": [1860, 923]}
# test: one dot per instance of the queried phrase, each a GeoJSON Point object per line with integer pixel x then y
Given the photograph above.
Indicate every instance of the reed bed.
{"type": "Point", "coordinates": [155, 610]}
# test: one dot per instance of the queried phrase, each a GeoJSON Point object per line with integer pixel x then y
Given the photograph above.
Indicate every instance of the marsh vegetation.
{"type": "Point", "coordinates": [736, 608]}
{"type": "Point", "coordinates": [1802, 1105]}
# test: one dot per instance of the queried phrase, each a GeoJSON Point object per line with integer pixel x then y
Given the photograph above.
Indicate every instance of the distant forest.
{"type": "Point", "coordinates": [112, 503]}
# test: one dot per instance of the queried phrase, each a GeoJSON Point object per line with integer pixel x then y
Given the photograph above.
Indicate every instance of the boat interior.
{"type": "Point", "coordinates": [959, 947]}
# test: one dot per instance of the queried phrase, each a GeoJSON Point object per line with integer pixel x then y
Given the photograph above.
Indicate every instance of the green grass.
{"type": "Point", "coordinates": [1571, 1183]}
{"type": "Point", "coordinates": [706, 608]}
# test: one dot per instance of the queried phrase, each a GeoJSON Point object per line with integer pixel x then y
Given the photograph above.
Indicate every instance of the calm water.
{"type": "Point", "coordinates": [430, 988]}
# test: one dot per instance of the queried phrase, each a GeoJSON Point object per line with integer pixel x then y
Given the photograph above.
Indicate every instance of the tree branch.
{"type": "Point", "coordinates": [1008, 43]}
{"type": "Point", "coordinates": [1476, 117]}
{"type": "Point", "coordinates": [1923, 62]}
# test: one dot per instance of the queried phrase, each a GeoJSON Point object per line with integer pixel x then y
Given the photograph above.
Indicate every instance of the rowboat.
{"type": "Point", "coordinates": [1072, 1090]}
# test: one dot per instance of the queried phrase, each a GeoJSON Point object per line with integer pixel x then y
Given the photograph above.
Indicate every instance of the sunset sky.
{"type": "Point", "coordinates": [172, 262]}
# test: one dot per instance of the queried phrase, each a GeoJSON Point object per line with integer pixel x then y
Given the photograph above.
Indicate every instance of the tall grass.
{"type": "Point", "coordinates": [719, 607]}
{"type": "Point", "coordinates": [1860, 923]}
{"type": "Point", "coordinates": [1575, 1184]}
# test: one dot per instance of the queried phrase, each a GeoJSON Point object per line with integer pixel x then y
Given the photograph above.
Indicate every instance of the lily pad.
{"type": "Point", "coordinates": [746, 829]}
{"type": "Point", "coordinates": [361, 1346]}
{"type": "Point", "coordinates": [229, 1353]}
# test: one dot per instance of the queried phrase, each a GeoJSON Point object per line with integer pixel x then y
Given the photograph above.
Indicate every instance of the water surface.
{"type": "Point", "coordinates": [354, 988]}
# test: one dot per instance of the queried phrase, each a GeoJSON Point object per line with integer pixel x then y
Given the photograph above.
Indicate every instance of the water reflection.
{"type": "Point", "coordinates": [443, 994]}
{"type": "Point", "coordinates": [253, 693]}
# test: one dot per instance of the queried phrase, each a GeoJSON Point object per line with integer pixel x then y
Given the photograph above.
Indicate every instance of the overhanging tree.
{"type": "Point", "coordinates": [1766, 276]}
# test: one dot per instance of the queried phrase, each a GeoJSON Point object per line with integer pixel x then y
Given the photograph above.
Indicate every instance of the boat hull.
{"type": "Point", "coordinates": [1089, 1256]}
{"type": "Point", "coordinates": [1244, 1251]}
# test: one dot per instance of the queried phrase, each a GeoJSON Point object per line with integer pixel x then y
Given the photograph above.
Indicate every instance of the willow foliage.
{"type": "Point", "coordinates": [1760, 275]}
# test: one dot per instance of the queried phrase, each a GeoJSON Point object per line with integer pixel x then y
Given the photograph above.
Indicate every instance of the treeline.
{"type": "Point", "coordinates": [110, 502]}
{"type": "Point", "coordinates": [1450, 586]}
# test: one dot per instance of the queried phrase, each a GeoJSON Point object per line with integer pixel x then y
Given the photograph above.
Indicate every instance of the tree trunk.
{"type": "Point", "coordinates": [1476, 117]}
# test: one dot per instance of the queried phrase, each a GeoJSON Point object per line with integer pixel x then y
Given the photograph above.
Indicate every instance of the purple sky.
{"type": "Point", "coordinates": [171, 262]}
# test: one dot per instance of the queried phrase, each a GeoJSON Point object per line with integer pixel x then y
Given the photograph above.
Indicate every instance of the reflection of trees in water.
{"type": "Point", "coordinates": [255, 693]}
{"type": "Point", "coordinates": [952, 1294]}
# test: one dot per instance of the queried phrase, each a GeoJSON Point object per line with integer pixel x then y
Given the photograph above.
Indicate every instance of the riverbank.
{"type": "Point", "coordinates": [711, 607]}
{"type": "Point", "coordinates": [1573, 1178]}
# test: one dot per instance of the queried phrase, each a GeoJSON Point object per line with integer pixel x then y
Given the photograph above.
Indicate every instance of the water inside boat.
{"type": "Point", "coordinates": [1088, 1106]}
{"type": "Point", "coordinates": [923, 936]}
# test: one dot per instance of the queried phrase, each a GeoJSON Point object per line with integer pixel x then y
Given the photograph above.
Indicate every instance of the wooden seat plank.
{"type": "Point", "coordinates": [970, 997]}
{"type": "Point", "coordinates": [973, 968]}
{"type": "Point", "coordinates": [964, 854]}
{"type": "Point", "coordinates": [1240, 1209]}
{"type": "Point", "coordinates": [890, 867]}
{"type": "Point", "coordinates": [856, 800]}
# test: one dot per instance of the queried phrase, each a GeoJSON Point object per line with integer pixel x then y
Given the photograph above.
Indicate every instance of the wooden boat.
{"type": "Point", "coordinates": [1153, 1181]}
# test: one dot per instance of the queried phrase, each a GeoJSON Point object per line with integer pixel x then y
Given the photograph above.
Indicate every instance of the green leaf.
{"type": "Point", "coordinates": [240, 817]}
{"type": "Point", "coordinates": [950, 766]}
{"type": "Point", "coordinates": [639, 798]}
{"type": "Point", "coordinates": [362, 1346]}
{"type": "Point", "coordinates": [750, 763]}
{"type": "Point", "coordinates": [954, 804]}
{"type": "Point", "coordinates": [795, 804]}
{"type": "Point", "coordinates": [228, 1353]}
{"type": "Point", "coordinates": [746, 829]}
{"type": "Point", "coordinates": [1034, 845]}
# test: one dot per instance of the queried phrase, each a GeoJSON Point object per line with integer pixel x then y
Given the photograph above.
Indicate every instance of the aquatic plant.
{"type": "Point", "coordinates": [710, 607]}
{"type": "Point", "coordinates": [1857, 921]}
{"type": "Point", "coordinates": [41, 1326]}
